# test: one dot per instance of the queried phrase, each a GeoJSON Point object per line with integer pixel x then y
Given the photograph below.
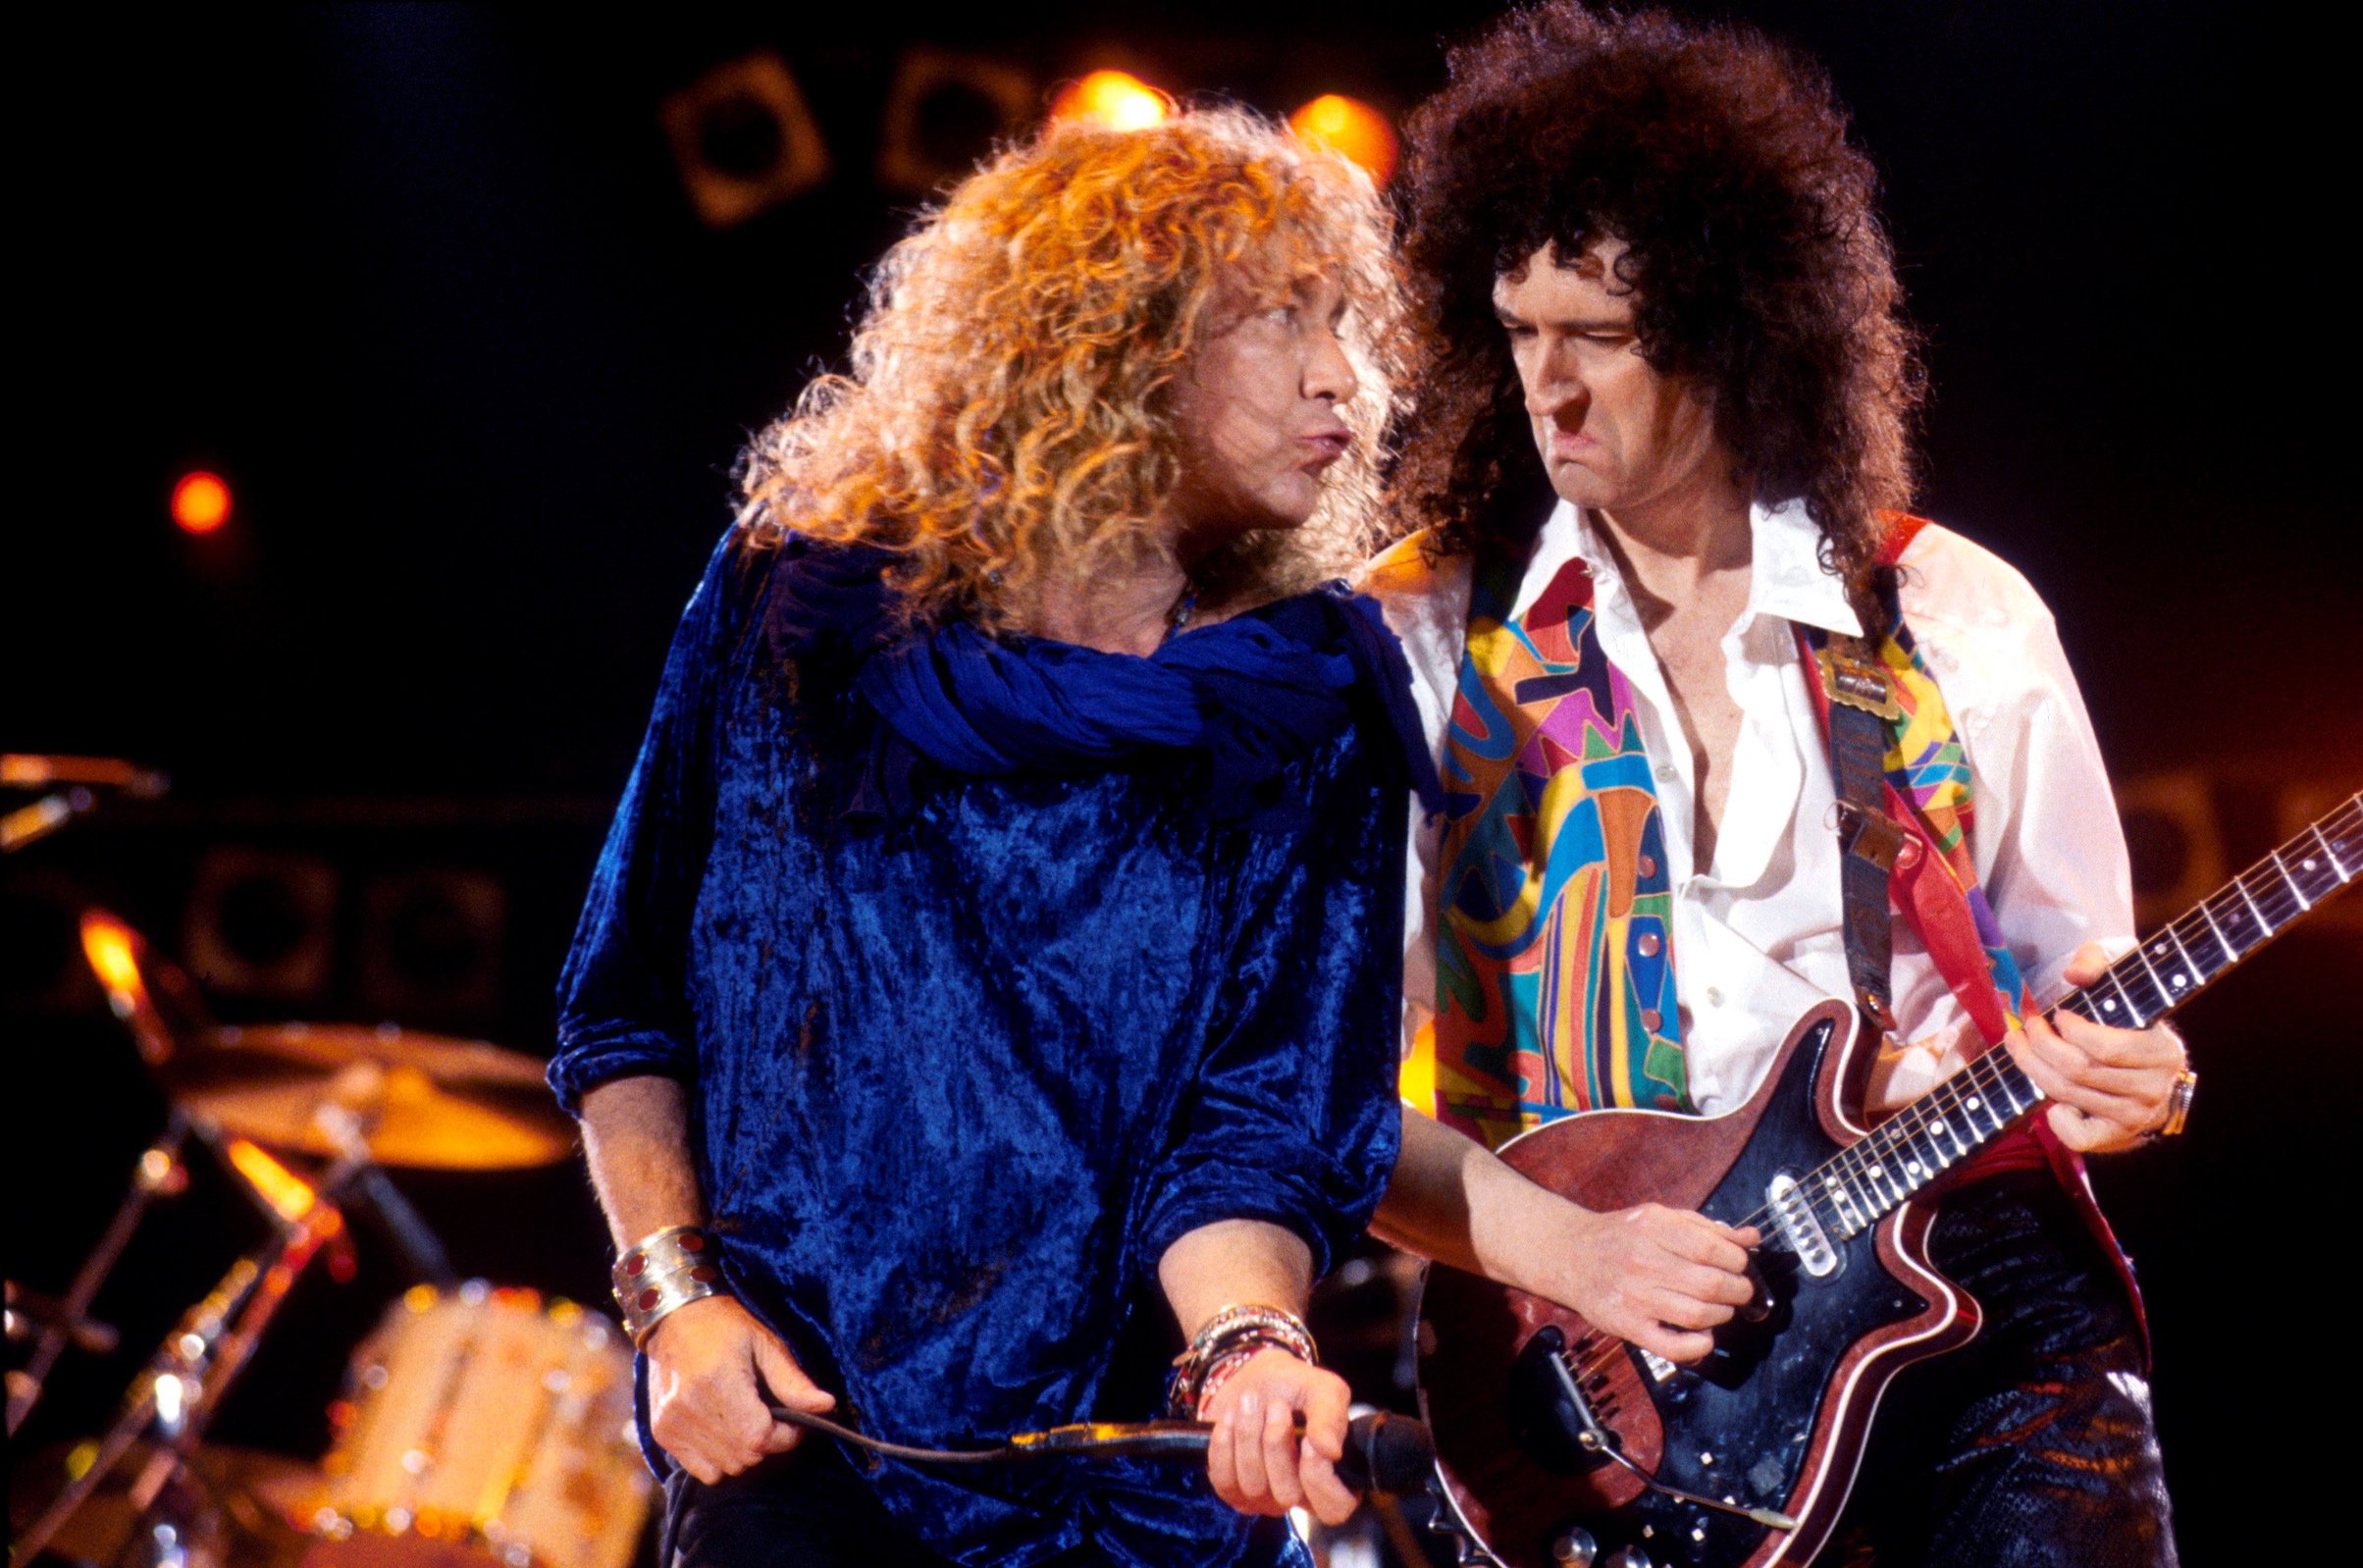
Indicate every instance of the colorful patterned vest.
{"type": "Point", "coordinates": [1555, 964]}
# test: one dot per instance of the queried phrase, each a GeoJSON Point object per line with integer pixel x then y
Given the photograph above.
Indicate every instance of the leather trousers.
{"type": "Point", "coordinates": [2032, 1447]}
{"type": "Point", "coordinates": [806, 1508]}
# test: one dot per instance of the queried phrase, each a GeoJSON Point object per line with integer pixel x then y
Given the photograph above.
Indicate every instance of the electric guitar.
{"type": "Point", "coordinates": [1561, 1446]}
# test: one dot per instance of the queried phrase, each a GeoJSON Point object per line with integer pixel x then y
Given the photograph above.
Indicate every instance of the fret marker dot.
{"type": "Point", "coordinates": [2108, 1007]}
{"type": "Point", "coordinates": [1912, 1167]}
{"type": "Point", "coordinates": [2182, 980]}
{"type": "Point", "coordinates": [1973, 1102]}
{"type": "Point", "coordinates": [2308, 864]}
{"type": "Point", "coordinates": [1939, 1126]}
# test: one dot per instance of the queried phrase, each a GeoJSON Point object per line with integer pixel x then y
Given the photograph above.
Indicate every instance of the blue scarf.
{"type": "Point", "coordinates": [1251, 694]}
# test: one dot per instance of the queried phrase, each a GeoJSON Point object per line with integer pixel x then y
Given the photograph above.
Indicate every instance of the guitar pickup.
{"type": "Point", "coordinates": [1794, 1218]}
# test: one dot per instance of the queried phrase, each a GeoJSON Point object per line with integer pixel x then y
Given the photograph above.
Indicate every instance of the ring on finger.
{"type": "Point", "coordinates": [2177, 1107]}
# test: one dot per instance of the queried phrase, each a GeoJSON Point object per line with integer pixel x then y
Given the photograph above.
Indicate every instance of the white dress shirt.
{"type": "Point", "coordinates": [1756, 934]}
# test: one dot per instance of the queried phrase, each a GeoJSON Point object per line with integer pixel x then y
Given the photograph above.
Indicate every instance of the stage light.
{"type": "Point", "coordinates": [744, 139]}
{"type": "Point", "coordinates": [942, 114]}
{"type": "Point", "coordinates": [1117, 99]}
{"type": "Point", "coordinates": [200, 503]}
{"type": "Point", "coordinates": [1352, 130]}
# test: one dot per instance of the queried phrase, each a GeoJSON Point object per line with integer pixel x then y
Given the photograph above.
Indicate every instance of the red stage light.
{"type": "Point", "coordinates": [1351, 129]}
{"type": "Point", "coordinates": [1117, 99]}
{"type": "Point", "coordinates": [200, 503]}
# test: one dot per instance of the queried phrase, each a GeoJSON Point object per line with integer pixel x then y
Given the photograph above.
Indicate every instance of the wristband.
{"type": "Point", "coordinates": [664, 1273]}
{"type": "Point", "coordinates": [1224, 1345]}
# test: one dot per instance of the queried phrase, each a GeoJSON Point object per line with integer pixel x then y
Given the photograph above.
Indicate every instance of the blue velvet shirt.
{"type": "Point", "coordinates": [996, 966]}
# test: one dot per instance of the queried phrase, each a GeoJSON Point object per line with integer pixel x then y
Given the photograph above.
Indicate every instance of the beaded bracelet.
{"type": "Point", "coordinates": [1224, 1344]}
{"type": "Point", "coordinates": [665, 1273]}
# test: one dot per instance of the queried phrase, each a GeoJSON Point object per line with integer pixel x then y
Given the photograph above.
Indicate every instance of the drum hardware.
{"type": "Point", "coordinates": [158, 1172]}
{"type": "Point", "coordinates": [181, 1388]}
{"type": "Point", "coordinates": [348, 1094]}
{"type": "Point", "coordinates": [28, 1309]}
{"type": "Point", "coordinates": [489, 1428]}
{"type": "Point", "coordinates": [356, 1096]}
{"type": "Point", "coordinates": [420, 1100]}
{"type": "Point", "coordinates": [69, 782]}
{"type": "Point", "coordinates": [227, 1507]}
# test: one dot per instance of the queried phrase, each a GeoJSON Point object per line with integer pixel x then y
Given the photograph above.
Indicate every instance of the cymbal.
{"type": "Point", "coordinates": [333, 1045]}
{"type": "Point", "coordinates": [251, 1507]}
{"type": "Point", "coordinates": [419, 1100]}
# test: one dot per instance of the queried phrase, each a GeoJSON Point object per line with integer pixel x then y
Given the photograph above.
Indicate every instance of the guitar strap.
{"type": "Point", "coordinates": [1858, 707]}
{"type": "Point", "coordinates": [1892, 856]}
{"type": "Point", "coordinates": [1904, 846]}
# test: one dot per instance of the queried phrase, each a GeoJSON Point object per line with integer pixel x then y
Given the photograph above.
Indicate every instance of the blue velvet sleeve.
{"type": "Point", "coordinates": [623, 1007]}
{"type": "Point", "coordinates": [1293, 1119]}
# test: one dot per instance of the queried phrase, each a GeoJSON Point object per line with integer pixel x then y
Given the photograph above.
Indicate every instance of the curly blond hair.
{"type": "Point", "coordinates": [1008, 406]}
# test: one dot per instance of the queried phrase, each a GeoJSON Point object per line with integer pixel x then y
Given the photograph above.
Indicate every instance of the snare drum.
{"type": "Point", "coordinates": [484, 1425]}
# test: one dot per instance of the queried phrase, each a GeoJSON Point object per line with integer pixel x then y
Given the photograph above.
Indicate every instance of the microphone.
{"type": "Point", "coordinates": [1392, 1453]}
{"type": "Point", "coordinates": [1382, 1452]}
{"type": "Point", "coordinates": [1386, 1453]}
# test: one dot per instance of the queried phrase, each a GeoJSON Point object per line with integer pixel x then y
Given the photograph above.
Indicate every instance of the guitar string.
{"type": "Point", "coordinates": [2285, 901]}
{"type": "Point", "coordinates": [1923, 1119]}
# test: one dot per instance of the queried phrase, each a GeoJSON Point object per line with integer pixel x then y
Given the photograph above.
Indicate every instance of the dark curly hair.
{"type": "Point", "coordinates": [1758, 262]}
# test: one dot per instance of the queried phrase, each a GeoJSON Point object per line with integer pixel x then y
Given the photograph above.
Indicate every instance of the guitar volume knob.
{"type": "Point", "coordinates": [1574, 1549]}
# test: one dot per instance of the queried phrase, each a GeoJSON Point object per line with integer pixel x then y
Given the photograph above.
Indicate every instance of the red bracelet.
{"type": "Point", "coordinates": [1224, 1344]}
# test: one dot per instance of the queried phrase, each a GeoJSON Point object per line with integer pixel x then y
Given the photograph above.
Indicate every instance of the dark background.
{"type": "Point", "coordinates": [423, 284]}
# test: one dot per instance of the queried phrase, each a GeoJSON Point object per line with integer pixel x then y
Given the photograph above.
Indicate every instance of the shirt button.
{"type": "Point", "coordinates": [1649, 945]}
{"type": "Point", "coordinates": [1714, 996]}
{"type": "Point", "coordinates": [1665, 773]}
{"type": "Point", "coordinates": [1647, 865]}
{"type": "Point", "coordinates": [1651, 1020]}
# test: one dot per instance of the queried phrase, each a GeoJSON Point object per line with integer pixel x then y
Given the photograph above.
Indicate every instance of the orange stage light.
{"type": "Point", "coordinates": [1351, 129]}
{"type": "Point", "coordinates": [1117, 99]}
{"type": "Point", "coordinates": [114, 958]}
{"type": "Point", "coordinates": [281, 1188]}
{"type": "Point", "coordinates": [200, 503]}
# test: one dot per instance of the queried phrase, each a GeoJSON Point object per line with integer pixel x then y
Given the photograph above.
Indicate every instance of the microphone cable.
{"type": "Point", "coordinates": [1385, 1452]}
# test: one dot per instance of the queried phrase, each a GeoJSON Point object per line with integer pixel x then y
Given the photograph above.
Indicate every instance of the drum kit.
{"type": "Point", "coordinates": [481, 1424]}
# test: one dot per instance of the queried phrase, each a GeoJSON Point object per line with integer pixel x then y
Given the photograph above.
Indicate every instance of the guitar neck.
{"type": "Point", "coordinates": [2170, 966]}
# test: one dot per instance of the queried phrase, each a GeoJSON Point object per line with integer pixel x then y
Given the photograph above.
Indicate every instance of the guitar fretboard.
{"type": "Point", "coordinates": [1851, 1189]}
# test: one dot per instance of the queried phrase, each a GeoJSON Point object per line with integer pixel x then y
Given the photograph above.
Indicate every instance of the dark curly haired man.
{"type": "Point", "coordinates": [1660, 463]}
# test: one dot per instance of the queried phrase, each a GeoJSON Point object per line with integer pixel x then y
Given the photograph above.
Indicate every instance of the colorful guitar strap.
{"type": "Point", "coordinates": [1907, 836]}
{"type": "Point", "coordinates": [1554, 962]}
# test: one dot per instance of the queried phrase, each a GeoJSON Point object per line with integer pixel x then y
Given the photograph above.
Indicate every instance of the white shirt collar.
{"type": "Point", "coordinates": [1786, 578]}
{"type": "Point", "coordinates": [1789, 580]}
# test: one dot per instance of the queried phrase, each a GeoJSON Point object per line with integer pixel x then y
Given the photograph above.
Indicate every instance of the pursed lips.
{"type": "Point", "coordinates": [1329, 445]}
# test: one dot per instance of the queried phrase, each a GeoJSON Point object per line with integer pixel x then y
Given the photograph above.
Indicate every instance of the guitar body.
{"type": "Point", "coordinates": [1775, 1418]}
